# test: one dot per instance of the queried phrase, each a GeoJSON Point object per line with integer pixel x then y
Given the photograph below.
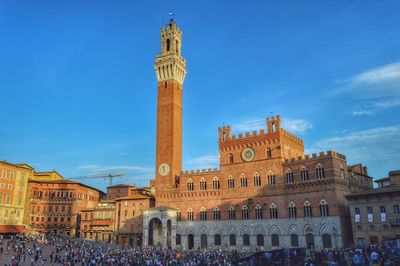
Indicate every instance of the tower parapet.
{"type": "Point", "coordinates": [170, 65]}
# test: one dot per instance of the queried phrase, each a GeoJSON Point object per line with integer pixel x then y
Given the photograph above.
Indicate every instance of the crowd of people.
{"type": "Point", "coordinates": [59, 250]}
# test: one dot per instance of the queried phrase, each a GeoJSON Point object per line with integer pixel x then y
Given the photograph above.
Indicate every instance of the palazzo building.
{"type": "Point", "coordinates": [375, 213]}
{"type": "Point", "coordinates": [54, 204]}
{"type": "Point", "coordinates": [13, 191]}
{"type": "Point", "coordinates": [266, 193]}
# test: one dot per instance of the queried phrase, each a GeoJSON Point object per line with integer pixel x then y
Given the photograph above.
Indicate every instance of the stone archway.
{"type": "Point", "coordinates": [159, 227]}
{"type": "Point", "coordinates": [155, 232]}
{"type": "Point", "coordinates": [190, 241]}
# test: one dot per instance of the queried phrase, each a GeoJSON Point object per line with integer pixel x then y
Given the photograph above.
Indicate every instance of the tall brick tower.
{"type": "Point", "coordinates": [170, 69]}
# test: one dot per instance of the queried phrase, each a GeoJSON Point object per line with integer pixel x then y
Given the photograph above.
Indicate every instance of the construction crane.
{"type": "Point", "coordinates": [104, 176]}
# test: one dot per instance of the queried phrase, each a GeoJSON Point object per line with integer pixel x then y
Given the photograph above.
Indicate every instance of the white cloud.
{"type": "Point", "coordinates": [383, 81]}
{"type": "Point", "coordinates": [375, 107]}
{"type": "Point", "coordinates": [377, 145]}
{"type": "Point", "coordinates": [125, 153]}
{"type": "Point", "coordinates": [249, 124]}
{"type": "Point", "coordinates": [202, 162]}
{"type": "Point", "coordinates": [378, 89]}
{"type": "Point", "coordinates": [94, 168]}
{"type": "Point", "coordinates": [299, 126]}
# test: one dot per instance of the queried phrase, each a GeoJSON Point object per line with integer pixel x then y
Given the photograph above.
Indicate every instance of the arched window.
{"type": "Point", "coordinates": [190, 214]}
{"type": "Point", "coordinates": [273, 211]}
{"type": "Point", "coordinates": [203, 184]}
{"type": "Point", "coordinates": [232, 240]}
{"type": "Point", "coordinates": [269, 153]}
{"type": "Point", "coordinates": [178, 239]}
{"type": "Point", "coordinates": [178, 215]}
{"type": "Point", "coordinates": [217, 214]}
{"type": "Point", "coordinates": [342, 172]}
{"type": "Point", "coordinates": [320, 171]}
{"type": "Point", "coordinates": [257, 180]}
{"type": "Point", "coordinates": [326, 241]}
{"type": "Point", "coordinates": [307, 209]}
{"type": "Point", "coordinates": [232, 213]}
{"type": "Point", "coordinates": [231, 182]}
{"type": "Point", "coordinates": [216, 183]}
{"type": "Point", "coordinates": [246, 240]}
{"type": "Point", "coordinates": [168, 45]}
{"type": "Point", "coordinates": [189, 185]}
{"type": "Point", "coordinates": [203, 214]}
{"type": "Point", "coordinates": [323, 207]}
{"type": "Point", "coordinates": [275, 240]}
{"type": "Point", "coordinates": [292, 210]}
{"type": "Point", "coordinates": [271, 178]}
{"type": "Point", "coordinates": [289, 176]}
{"type": "Point", "coordinates": [230, 158]}
{"type": "Point", "coordinates": [243, 181]}
{"type": "Point", "coordinates": [245, 213]}
{"type": "Point", "coordinates": [259, 212]}
{"type": "Point", "coordinates": [304, 174]}
{"type": "Point", "coordinates": [217, 240]}
{"type": "Point", "coordinates": [294, 240]}
{"type": "Point", "coordinates": [260, 240]}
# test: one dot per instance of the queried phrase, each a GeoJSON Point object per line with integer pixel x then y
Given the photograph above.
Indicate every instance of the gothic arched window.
{"type": "Point", "coordinates": [215, 183]}
{"type": "Point", "coordinates": [320, 171]}
{"type": "Point", "coordinates": [323, 207]}
{"type": "Point", "coordinates": [190, 214]}
{"type": "Point", "coordinates": [217, 214]}
{"type": "Point", "coordinates": [307, 209]}
{"type": "Point", "coordinates": [203, 184]}
{"type": "Point", "coordinates": [231, 182]}
{"type": "Point", "coordinates": [257, 180]}
{"type": "Point", "coordinates": [289, 176]}
{"type": "Point", "coordinates": [245, 213]}
{"type": "Point", "coordinates": [232, 213]}
{"type": "Point", "coordinates": [292, 210]}
{"type": "Point", "coordinates": [189, 185]}
{"type": "Point", "coordinates": [203, 214]}
{"type": "Point", "coordinates": [273, 211]}
{"type": "Point", "coordinates": [271, 179]}
{"type": "Point", "coordinates": [304, 174]}
{"type": "Point", "coordinates": [259, 212]}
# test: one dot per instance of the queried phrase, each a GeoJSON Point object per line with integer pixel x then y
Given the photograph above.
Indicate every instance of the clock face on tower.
{"type": "Point", "coordinates": [248, 154]}
{"type": "Point", "coordinates": [163, 169]}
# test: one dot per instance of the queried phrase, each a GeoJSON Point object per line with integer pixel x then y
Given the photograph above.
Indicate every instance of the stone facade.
{"type": "Point", "coordinates": [129, 217]}
{"type": "Point", "coordinates": [54, 204]}
{"type": "Point", "coordinates": [265, 187]}
{"type": "Point", "coordinates": [13, 191]}
{"type": "Point", "coordinates": [98, 223]}
{"type": "Point", "coordinates": [375, 214]}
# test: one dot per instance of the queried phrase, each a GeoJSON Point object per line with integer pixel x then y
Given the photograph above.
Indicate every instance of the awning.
{"type": "Point", "coordinates": [12, 229]}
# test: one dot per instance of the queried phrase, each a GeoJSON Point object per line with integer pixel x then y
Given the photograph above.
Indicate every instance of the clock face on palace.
{"type": "Point", "coordinates": [163, 169]}
{"type": "Point", "coordinates": [248, 154]}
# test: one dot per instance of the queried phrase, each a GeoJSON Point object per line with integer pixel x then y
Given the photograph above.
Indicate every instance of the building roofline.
{"type": "Point", "coordinates": [65, 181]}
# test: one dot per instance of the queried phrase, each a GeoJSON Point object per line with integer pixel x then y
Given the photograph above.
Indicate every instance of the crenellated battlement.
{"type": "Point", "coordinates": [316, 156]}
{"type": "Point", "coordinates": [200, 171]}
{"type": "Point", "coordinates": [273, 126]}
{"type": "Point", "coordinates": [291, 136]}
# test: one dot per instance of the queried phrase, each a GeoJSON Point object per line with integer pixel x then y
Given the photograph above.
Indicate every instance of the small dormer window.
{"type": "Point", "coordinates": [168, 45]}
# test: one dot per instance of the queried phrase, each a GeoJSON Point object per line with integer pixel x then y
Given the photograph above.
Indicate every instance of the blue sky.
{"type": "Point", "coordinates": [78, 90]}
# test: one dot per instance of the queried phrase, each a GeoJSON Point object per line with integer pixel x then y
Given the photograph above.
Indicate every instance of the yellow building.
{"type": "Point", "coordinates": [13, 191]}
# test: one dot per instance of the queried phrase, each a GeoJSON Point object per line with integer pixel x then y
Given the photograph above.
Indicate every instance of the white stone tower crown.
{"type": "Point", "coordinates": [170, 65]}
